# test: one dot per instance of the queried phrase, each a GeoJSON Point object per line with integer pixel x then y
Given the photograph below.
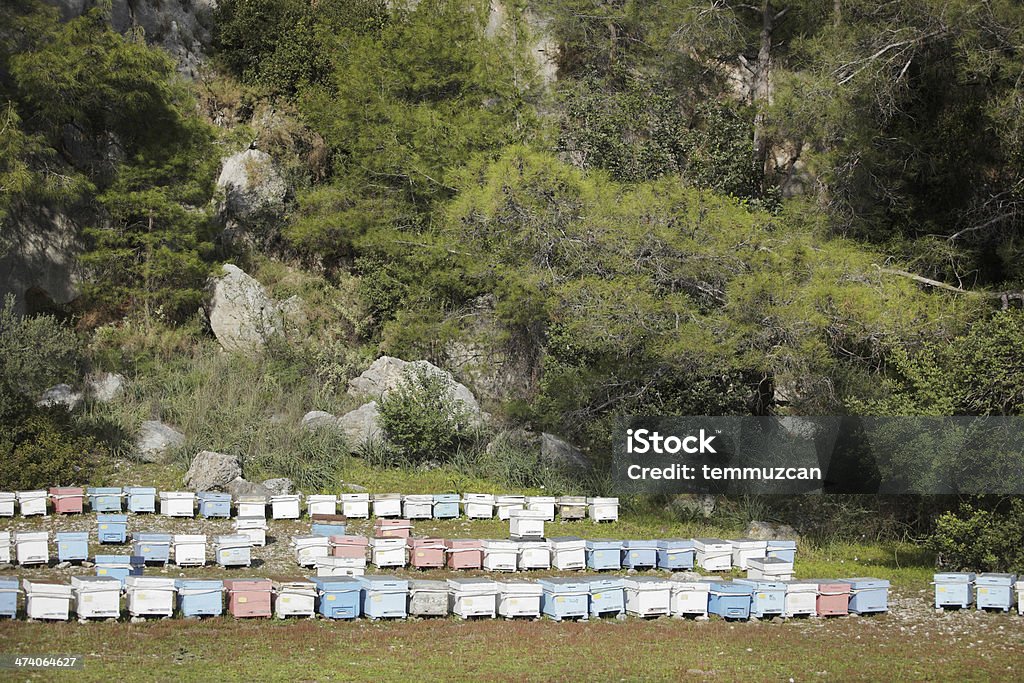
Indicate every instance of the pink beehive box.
{"type": "Point", "coordinates": [464, 553]}
{"type": "Point", "coordinates": [426, 553]}
{"type": "Point", "coordinates": [249, 597]}
{"type": "Point", "coordinates": [392, 528]}
{"type": "Point", "coordinates": [67, 500]}
{"type": "Point", "coordinates": [353, 547]}
{"type": "Point", "coordinates": [833, 597]}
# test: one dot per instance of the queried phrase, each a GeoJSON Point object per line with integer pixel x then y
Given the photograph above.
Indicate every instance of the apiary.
{"type": "Point", "coordinates": [571, 508]}
{"type": "Point", "coordinates": [353, 547]}
{"type": "Point", "coordinates": [426, 553]}
{"type": "Point", "coordinates": [713, 554]}
{"type": "Point", "coordinates": [44, 600]}
{"type": "Point", "coordinates": [767, 599]}
{"type": "Point", "coordinates": [150, 596]}
{"type": "Point", "coordinates": [9, 598]}
{"type": "Point", "coordinates": [833, 597]}
{"type": "Point", "coordinates": [519, 599]}
{"type": "Point", "coordinates": [607, 597]}
{"type": "Point", "coordinates": [568, 552]}
{"type": "Point", "coordinates": [232, 550]}
{"type": "Point", "coordinates": [32, 547]}
{"type": "Point", "coordinates": [675, 554]}
{"type": "Point", "coordinates": [321, 504]}
{"type": "Point", "coordinates": [801, 599]}
{"type": "Point", "coordinates": [189, 550]}
{"type": "Point", "coordinates": [251, 506]}
{"type": "Point", "coordinates": [418, 506]}
{"type": "Point", "coordinates": [67, 500]}
{"type": "Point", "coordinates": [544, 505]}
{"type": "Point", "coordinates": [72, 546]}
{"type": "Point", "coordinates": [769, 569]}
{"type": "Point", "coordinates": [105, 498]}
{"type": "Point", "coordinates": [526, 524]}
{"type": "Point", "coordinates": [478, 505]}
{"type": "Point", "coordinates": [119, 566]}
{"type": "Point", "coordinates": [32, 503]}
{"type": "Point", "coordinates": [603, 509]}
{"type": "Point", "coordinates": [177, 503]}
{"type": "Point", "coordinates": [565, 598]}
{"type": "Point", "coordinates": [340, 566]}
{"type": "Point", "coordinates": [500, 555]}
{"type": "Point", "coordinates": [383, 597]}
{"type": "Point", "coordinates": [473, 597]}
{"type": "Point", "coordinates": [7, 500]}
{"type": "Point", "coordinates": [387, 505]}
{"type": "Point", "coordinates": [690, 598]}
{"type": "Point", "coordinates": [745, 549]}
{"type": "Point", "coordinates": [254, 528]}
{"type": "Point", "coordinates": [294, 598]}
{"type": "Point", "coordinates": [5, 547]}
{"type": "Point", "coordinates": [96, 597]}
{"type": "Point", "coordinates": [214, 505]}
{"type": "Point", "coordinates": [639, 554]}
{"type": "Point", "coordinates": [533, 555]}
{"type": "Point", "coordinates": [355, 505]}
{"type": "Point", "coordinates": [392, 528]}
{"type": "Point", "coordinates": [200, 597]}
{"type": "Point", "coordinates": [285, 506]}
{"type": "Point", "coordinates": [140, 498]}
{"type": "Point", "coordinates": [868, 595]}
{"type": "Point", "coordinates": [729, 600]}
{"type": "Point", "coordinates": [427, 598]}
{"type": "Point", "coordinates": [992, 591]}
{"type": "Point", "coordinates": [604, 554]}
{"type": "Point", "coordinates": [152, 546]}
{"type": "Point", "coordinates": [339, 596]}
{"type": "Point", "coordinates": [647, 596]}
{"type": "Point", "coordinates": [249, 598]}
{"type": "Point", "coordinates": [464, 553]}
{"type": "Point", "coordinates": [112, 528]}
{"type": "Point", "coordinates": [504, 505]}
{"type": "Point", "coordinates": [953, 589]}
{"type": "Point", "coordinates": [446, 505]}
{"type": "Point", "coordinates": [387, 552]}
{"type": "Point", "coordinates": [327, 525]}
{"type": "Point", "coordinates": [783, 550]}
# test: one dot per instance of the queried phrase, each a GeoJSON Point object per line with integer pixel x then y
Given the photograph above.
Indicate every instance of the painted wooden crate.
{"type": "Point", "coordinates": [321, 504]}
{"type": "Point", "coordinates": [105, 498]}
{"type": "Point", "coordinates": [769, 569]}
{"type": "Point", "coordinates": [249, 598]}
{"type": "Point", "coordinates": [96, 597]}
{"type": "Point", "coordinates": [177, 503]}
{"type": "Point", "coordinates": [729, 600]}
{"type": "Point", "coordinates": [286, 506]}
{"type": "Point", "coordinates": [571, 508]}
{"type": "Point", "coordinates": [200, 597]}
{"type": "Point", "coordinates": [32, 547]}
{"type": "Point", "coordinates": [675, 554]}
{"type": "Point", "coordinates": [339, 596]}
{"type": "Point", "coordinates": [112, 528]}
{"type": "Point", "coordinates": [140, 499]}
{"type": "Point", "coordinates": [478, 505]}
{"type": "Point", "coordinates": [383, 597]}
{"type": "Point", "coordinates": [868, 594]}
{"type": "Point", "coordinates": [783, 550]}
{"type": "Point", "coordinates": [72, 546]}
{"type": "Point", "coordinates": [418, 506]}
{"type": "Point", "coordinates": [473, 598]}
{"type": "Point", "coordinates": [251, 507]}
{"type": "Point", "coordinates": [544, 505]}
{"type": "Point", "coordinates": [392, 528]}
{"type": "Point", "coordinates": [119, 566]}
{"type": "Point", "coordinates": [504, 505]}
{"type": "Point", "coordinates": [214, 505]}
{"type": "Point", "coordinates": [32, 503]}
{"type": "Point", "coordinates": [427, 598]}
{"type": "Point", "coordinates": [7, 501]}
{"type": "Point", "coordinates": [953, 589]}
{"type": "Point", "coordinates": [565, 598]}
{"type": "Point", "coordinates": [355, 505]}
{"type": "Point", "coordinates": [328, 525]}
{"type": "Point", "coordinates": [387, 505]}
{"type": "Point", "coordinates": [745, 549]}
{"type": "Point", "coordinates": [713, 554]}
{"type": "Point", "coordinates": [526, 524]}
{"type": "Point", "coordinates": [308, 548]}
{"type": "Point", "coordinates": [464, 553]}
{"type": "Point", "coordinates": [47, 600]}
{"type": "Point", "coordinates": [152, 546]}
{"type": "Point", "coordinates": [639, 554]}
{"type": "Point", "coordinates": [992, 591]}
{"type": "Point", "coordinates": [253, 528]}
{"type": "Point", "coordinates": [9, 597]}
{"type": "Point", "coordinates": [349, 546]}
{"type": "Point", "coordinates": [833, 597]}
{"type": "Point", "coordinates": [801, 599]}
{"type": "Point", "coordinates": [519, 599]}
{"type": "Point", "coordinates": [568, 552]}
{"type": "Point", "coordinates": [648, 596]}
{"type": "Point", "coordinates": [768, 598]}
{"type": "Point", "coordinates": [500, 555]}
{"type": "Point", "coordinates": [446, 505]}
{"type": "Point", "coordinates": [294, 597]}
{"type": "Point", "coordinates": [232, 550]}
{"type": "Point", "coordinates": [603, 509]}
{"type": "Point", "coordinates": [426, 553]}
{"type": "Point", "coordinates": [533, 555]}
{"type": "Point", "coordinates": [189, 550]}
{"type": "Point", "coordinates": [387, 552]}
{"type": "Point", "coordinates": [607, 597]}
{"type": "Point", "coordinates": [150, 596]}
{"type": "Point", "coordinates": [690, 599]}
{"type": "Point", "coordinates": [67, 500]}
{"type": "Point", "coordinates": [340, 566]}
{"type": "Point", "coordinates": [5, 547]}
{"type": "Point", "coordinates": [604, 554]}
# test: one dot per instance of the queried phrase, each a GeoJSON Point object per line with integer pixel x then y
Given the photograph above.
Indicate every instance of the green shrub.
{"type": "Point", "coordinates": [44, 449]}
{"type": "Point", "coordinates": [978, 539]}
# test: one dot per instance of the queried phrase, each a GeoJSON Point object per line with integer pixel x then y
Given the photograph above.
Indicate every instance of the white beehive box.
{"type": "Point", "coordinates": [473, 597]}
{"type": "Point", "coordinates": [320, 504]}
{"type": "Point", "coordinates": [251, 506]}
{"type": "Point", "coordinates": [648, 596]}
{"type": "Point", "coordinates": [387, 552]}
{"type": "Point", "coordinates": [1020, 597]}
{"type": "Point", "coordinates": [801, 599]}
{"type": "Point", "coordinates": [285, 506]}
{"type": "Point", "coordinates": [690, 598]}
{"type": "Point", "coordinates": [568, 552]}
{"type": "Point", "coordinates": [769, 569]}
{"type": "Point", "coordinates": [500, 555]}
{"type": "Point", "coordinates": [713, 554]}
{"type": "Point", "coordinates": [519, 599]}
{"type": "Point", "coordinates": [478, 505]}
{"type": "Point", "coordinates": [534, 555]}
{"type": "Point", "coordinates": [7, 499]}
{"type": "Point", "coordinates": [177, 503]}
{"type": "Point", "coordinates": [542, 504]}
{"type": "Point", "coordinates": [5, 547]}
{"type": "Point", "coordinates": [150, 596]}
{"type": "Point", "coordinates": [506, 504]}
{"type": "Point", "coordinates": [355, 505]}
{"type": "Point", "coordinates": [309, 548]}
{"type": "Point", "coordinates": [232, 550]}
{"type": "Point", "coordinates": [526, 524]}
{"type": "Point", "coordinates": [387, 505]}
{"type": "Point", "coordinates": [32, 547]}
{"type": "Point", "coordinates": [340, 566]}
{"type": "Point", "coordinates": [416, 506]}
{"type": "Point", "coordinates": [255, 528]}
{"type": "Point", "coordinates": [97, 597]}
{"type": "Point", "coordinates": [744, 549]}
{"type": "Point", "coordinates": [189, 550]}
{"type": "Point", "coordinates": [45, 600]}
{"type": "Point", "coordinates": [294, 598]}
{"type": "Point", "coordinates": [32, 503]}
{"type": "Point", "coordinates": [603, 509]}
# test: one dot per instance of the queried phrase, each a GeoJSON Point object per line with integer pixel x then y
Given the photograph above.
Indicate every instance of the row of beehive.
{"type": "Point", "coordinates": [378, 597]}
{"type": "Point", "coordinates": [989, 591]}
{"type": "Point", "coordinates": [143, 499]}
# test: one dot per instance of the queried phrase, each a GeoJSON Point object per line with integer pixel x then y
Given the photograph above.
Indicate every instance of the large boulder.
{"type": "Point", "coordinates": [386, 373]}
{"type": "Point", "coordinates": [241, 487]}
{"type": "Point", "coordinates": [211, 471]}
{"type": "Point", "coordinates": [559, 452]}
{"type": "Point", "coordinates": [252, 186]}
{"type": "Point", "coordinates": [242, 315]}
{"type": "Point", "coordinates": [60, 395]}
{"type": "Point", "coordinates": [105, 386]}
{"type": "Point", "coordinates": [361, 425]}
{"type": "Point", "coordinates": [766, 531]}
{"type": "Point", "coordinates": [280, 486]}
{"type": "Point", "coordinates": [155, 440]}
{"type": "Point", "coordinates": [319, 419]}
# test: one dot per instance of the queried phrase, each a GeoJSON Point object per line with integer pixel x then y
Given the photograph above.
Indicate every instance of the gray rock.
{"type": "Point", "coordinates": [280, 486]}
{"type": "Point", "coordinates": [155, 439]}
{"type": "Point", "coordinates": [105, 387]}
{"type": "Point", "coordinates": [241, 487]}
{"type": "Point", "coordinates": [702, 505]}
{"type": "Point", "coordinates": [355, 488]}
{"type": "Point", "coordinates": [360, 425]}
{"type": "Point", "coordinates": [211, 471]}
{"type": "Point", "coordinates": [387, 373]}
{"type": "Point", "coordinates": [60, 395]}
{"type": "Point", "coordinates": [317, 419]}
{"type": "Point", "coordinates": [559, 452]}
{"type": "Point", "coordinates": [252, 185]}
{"type": "Point", "coordinates": [766, 531]}
{"type": "Point", "coordinates": [242, 316]}
{"type": "Point", "coordinates": [685, 576]}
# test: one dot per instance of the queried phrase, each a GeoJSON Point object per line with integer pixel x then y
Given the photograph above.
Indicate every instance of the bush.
{"type": "Point", "coordinates": [981, 540]}
{"type": "Point", "coordinates": [44, 449]}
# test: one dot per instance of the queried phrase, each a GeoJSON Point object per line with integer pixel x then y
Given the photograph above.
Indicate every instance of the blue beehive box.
{"type": "Point", "coordinates": [953, 589]}
{"type": "Point", "coordinates": [446, 505]}
{"type": "Point", "coordinates": [768, 598]}
{"type": "Point", "coordinates": [119, 566]}
{"type": "Point", "coordinates": [140, 498]}
{"type": "Point", "coordinates": [214, 504]}
{"type": "Point", "coordinates": [328, 525]}
{"type": "Point", "coordinates": [607, 597]}
{"type": "Point", "coordinates": [565, 598]}
{"type": "Point", "coordinates": [604, 554]}
{"type": "Point", "coordinates": [994, 591]}
{"type": "Point", "coordinates": [729, 600]}
{"type": "Point", "coordinates": [200, 597]}
{"type": "Point", "coordinates": [868, 594]}
{"type": "Point", "coordinates": [104, 498]}
{"type": "Point", "coordinates": [72, 546]}
{"type": "Point", "coordinates": [675, 554]}
{"type": "Point", "coordinates": [9, 598]}
{"type": "Point", "coordinates": [112, 528]}
{"type": "Point", "coordinates": [783, 550]}
{"type": "Point", "coordinates": [339, 596]}
{"type": "Point", "coordinates": [383, 596]}
{"type": "Point", "coordinates": [640, 554]}
{"type": "Point", "coordinates": [152, 547]}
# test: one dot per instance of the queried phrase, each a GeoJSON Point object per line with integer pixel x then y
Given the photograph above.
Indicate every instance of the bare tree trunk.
{"type": "Point", "coordinates": [761, 89]}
